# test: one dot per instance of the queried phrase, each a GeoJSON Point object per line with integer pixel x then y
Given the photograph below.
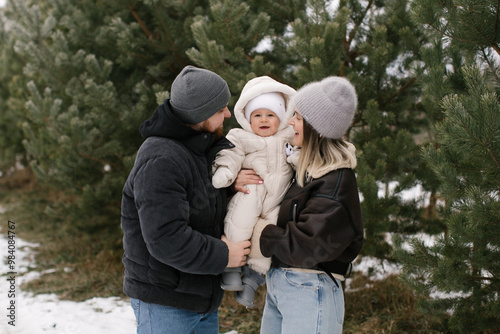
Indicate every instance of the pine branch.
{"type": "Point", "coordinates": [479, 32]}
{"type": "Point", "coordinates": [497, 19]}
{"type": "Point", "coordinates": [85, 155]}
{"type": "Point", "coordinates": [180, 60]}
{"type": "Point", "coordinates": [478, 141]}
{"type": "Point", "coordinates": [482, 278]}
{"type": "Point", "coordinates": [431, 262]}
{"type": "Point", "coordinates": [235, 40]}
{"type": "Point", "coordinates": [49, 123]}
{"type": "Point", "coordinates": [358, 24]}
{"type": "Point", "coordinates": [346, 43]}
{"type": "Point", "coordinates": [88, 156]}
{"type": "Point", "coordinates": [399, 92]}
{"type": "Point", "coordinates": [141, 23]}
{"type": "Point", "coordinates": [494, 157]}
{"type": "Point", "coordinates": [496, 48]}
{"type": "Point", "coordinates": [250, 59]}
{"type": "Point", "coordinates": [430, 210]}
{"type": "Point", "coordinates": [444, 33]}
{"type": "Point", "coordinates": [490, 65]}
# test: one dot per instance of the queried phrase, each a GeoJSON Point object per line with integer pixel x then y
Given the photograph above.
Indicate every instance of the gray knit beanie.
{"type": "Point", "coordinates": [197, 94]}
{"type": "Point", "coordinates": [327, 105]}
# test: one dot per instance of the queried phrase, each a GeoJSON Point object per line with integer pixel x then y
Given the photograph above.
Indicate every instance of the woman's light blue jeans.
{"type": "Point", "coordinates": [159, 319]}
{"type": "Point", "coordinates": [300, 302]}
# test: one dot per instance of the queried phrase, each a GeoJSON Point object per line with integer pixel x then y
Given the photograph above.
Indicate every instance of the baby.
{"type": "Point", "coordinates": [260, 145]}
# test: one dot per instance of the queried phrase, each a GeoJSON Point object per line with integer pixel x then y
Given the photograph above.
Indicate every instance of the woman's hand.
{"type": "Point", "coordinates": [244, 177]}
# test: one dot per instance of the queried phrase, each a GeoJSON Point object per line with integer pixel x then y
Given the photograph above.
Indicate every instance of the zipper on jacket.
{"type": "Point", "coordinates": [295, 210]}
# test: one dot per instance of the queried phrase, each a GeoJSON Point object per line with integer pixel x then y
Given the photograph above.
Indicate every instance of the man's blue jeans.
{"type": "Point", "coordinates": [301, 302]}
{"type": "Point", "coordinates": [159, 319]}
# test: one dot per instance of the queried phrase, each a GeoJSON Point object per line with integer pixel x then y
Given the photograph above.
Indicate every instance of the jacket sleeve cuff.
{"type": "Point", "coordinates": [255, 250]}
{"type": "Point", "coordinates": [265, 240]}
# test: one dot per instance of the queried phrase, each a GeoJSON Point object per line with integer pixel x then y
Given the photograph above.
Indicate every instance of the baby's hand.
{"type": "Point", "coordinates": [222, 178]}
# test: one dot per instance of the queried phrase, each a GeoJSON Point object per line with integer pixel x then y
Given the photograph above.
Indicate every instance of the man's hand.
{"type": "Point", "coordinates": [238, 252]}
{"type": "Point", "coordinates": [246, 176]}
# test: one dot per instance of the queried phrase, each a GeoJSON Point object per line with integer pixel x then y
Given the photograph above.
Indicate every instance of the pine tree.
{"type": "Point", "coordinates": [458, 274]}
{"type": "Point", "coordinates": [376, 46]}
{"type": "Point", "coordinates": [233, 39]}
{"type": "Point", "coordinates": [10, 71]}
{"type": "Point", "coordinates": [92, 71]}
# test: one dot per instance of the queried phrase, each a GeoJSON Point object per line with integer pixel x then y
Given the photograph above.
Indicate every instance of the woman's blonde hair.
{"type": "Point", "coordinates": [319, 154]}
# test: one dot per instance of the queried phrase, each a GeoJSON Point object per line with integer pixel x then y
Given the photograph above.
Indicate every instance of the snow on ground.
{"type": "Point", "coordinates": [376, 269]}
{"type": "Point", "coordinates": [45, 313]}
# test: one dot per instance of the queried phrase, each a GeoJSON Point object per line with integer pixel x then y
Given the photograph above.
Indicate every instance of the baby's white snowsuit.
{"type": "Point", "coordinates": [267, 157]}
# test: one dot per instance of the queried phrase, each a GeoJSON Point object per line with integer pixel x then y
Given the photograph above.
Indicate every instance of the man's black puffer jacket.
{"type": "Point", "coordinates": [172, 217]}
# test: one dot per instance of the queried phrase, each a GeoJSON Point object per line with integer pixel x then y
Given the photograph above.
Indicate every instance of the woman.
{"type": "Point", "coordinates": [319, 230]}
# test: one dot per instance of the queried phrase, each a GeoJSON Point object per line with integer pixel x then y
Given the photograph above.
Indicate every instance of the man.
{"type": "Point", "coordinates": [172, 217]}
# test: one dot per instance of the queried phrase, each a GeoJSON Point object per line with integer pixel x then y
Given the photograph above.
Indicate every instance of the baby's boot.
{"type": "Point", "coordinates": [251, 281]}
{"type": "Point", "coordinates": [231, 279]}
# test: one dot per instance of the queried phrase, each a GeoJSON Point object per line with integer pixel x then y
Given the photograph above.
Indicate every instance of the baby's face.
{"type": "Point", "coordinates": [264, 122]}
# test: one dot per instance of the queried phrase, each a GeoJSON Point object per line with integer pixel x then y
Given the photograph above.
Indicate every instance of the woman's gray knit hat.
{"type": "Point", "coordinates": [196, 94]}
{"type": "Point", "coordinates": [327, 105]}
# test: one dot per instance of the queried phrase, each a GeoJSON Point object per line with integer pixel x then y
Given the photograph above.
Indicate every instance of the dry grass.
{"type": "Point", "coordinates": [385, 306]}
{"type": "Point", "coordinates": [234, 316]}
{"type": "Point", "coordinates": [83, 259]}
{"type": "Point", "coordinates": [20, 179]}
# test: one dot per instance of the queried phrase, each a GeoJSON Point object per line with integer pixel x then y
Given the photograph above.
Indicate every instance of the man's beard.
{"type": "Point", "coordinates": [219, 132]}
